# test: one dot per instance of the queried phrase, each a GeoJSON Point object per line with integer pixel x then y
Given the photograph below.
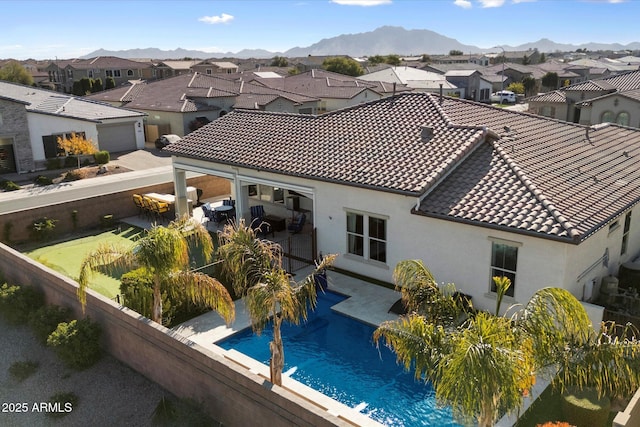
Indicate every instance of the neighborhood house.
{"type": "Point", "coordinates": [472, 190]}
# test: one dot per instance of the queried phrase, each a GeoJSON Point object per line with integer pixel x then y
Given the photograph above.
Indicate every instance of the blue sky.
{"type": "Point", "coordinates": [66, 29]}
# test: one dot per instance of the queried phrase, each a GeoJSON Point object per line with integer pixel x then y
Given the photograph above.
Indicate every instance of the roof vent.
{"type": "Point", "coordinates": [426, 134]}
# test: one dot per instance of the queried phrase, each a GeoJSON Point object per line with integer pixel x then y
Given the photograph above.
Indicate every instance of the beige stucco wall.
{"type": "Point", "coordinates": [454, 252]}
{"type": "Point", "coordinates": [624, 104]}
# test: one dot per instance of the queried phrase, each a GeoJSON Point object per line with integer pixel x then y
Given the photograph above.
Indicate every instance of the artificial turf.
{"type": "Point", "coordinates": [66, 257]}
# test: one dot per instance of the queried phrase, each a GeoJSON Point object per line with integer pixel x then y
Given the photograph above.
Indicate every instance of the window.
{"type": "Point", "coordinates": [623, 119]}
{"type": "Point", "coordinates": [129, 73]}
{"type": "Point", "coordinates": [607, 117]}
{"type": "Point", "coordinates": [367, 236]}
{"type": "Point", "coordinates": [266, 193]}
{"type": "Point", "coordinates": [504, 259]}
{"type": "Point", "coordinates": [625, 233]}
{"type": "Point", "coordinates": [50, 143]}
{"type": "Point", "coordinates": [112, 73]}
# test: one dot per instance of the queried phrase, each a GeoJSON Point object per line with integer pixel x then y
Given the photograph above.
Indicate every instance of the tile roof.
{"type": "Point", "coordinates": [553, 96]}
{"type": "Point", "coordinates": [54, 103]}
{"type": "Point", "coordinates": [476, 163]}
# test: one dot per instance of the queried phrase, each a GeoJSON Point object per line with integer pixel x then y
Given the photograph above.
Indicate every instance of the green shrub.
{"type": "Point", "coordinates": [54, 163]}
{"type": "Point", "coordinates": [23, 370]}
{"type": "Point", "coordinates": [70, 162]}
{"type": "Point", "coordinates": [43, 228]}
{"type": "Point", "coordinates": [64, 403]}
{"type": "Point", "coordinates": [77, 343]}
{"type": "Point", "coordinates": [102, 157]}
{"type": "Point", "coordinates": [583, 408]}
{"type": "Point", "coordinates": [7, 185]}
{"type": "Point", "coordinates": [45, 320]}
{"type": "Point", "coordinates": [136, 289]}
{"type": "Point", "coordinates": [42, 180]}
{"type": "Point", "coordinates": [18, 302]}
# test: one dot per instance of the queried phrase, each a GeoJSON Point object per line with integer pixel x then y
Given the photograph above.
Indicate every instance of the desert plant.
{"type": "Point", "coordinates": [45, 320]}
{"type": "Point", "coordinates": [102, 157]}
{"type": "Point", "coordinates": [43, 228]}
{"type": "Point", "coordinates": [20, 371]}
{"type": "Point", "coordinates": [62, 404]}
{"type": "Point", "coordinates": [77, 343]}
{"type": "Point", "coordinates": [18, 302]}
{"type": "Point", "coordinates": [75, 175]}
{"type": "Point", "coordinates": [42, 180]}
{"type": "Point", "coordinates": [7, 185]}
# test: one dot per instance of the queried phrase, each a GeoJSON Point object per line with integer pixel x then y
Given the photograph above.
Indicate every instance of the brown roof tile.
{"type": "Point", "coordinates": [477, 163]}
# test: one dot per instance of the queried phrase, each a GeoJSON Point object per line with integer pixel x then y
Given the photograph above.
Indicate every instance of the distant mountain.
{"type": "Point", "coordinates": [381, 41]}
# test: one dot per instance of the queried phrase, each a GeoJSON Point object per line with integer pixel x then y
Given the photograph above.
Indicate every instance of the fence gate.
{"type": "Point", "coordinates": [298, 250]}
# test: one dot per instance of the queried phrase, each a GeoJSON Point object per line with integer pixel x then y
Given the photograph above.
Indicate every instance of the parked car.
{"type": "Point", "coordinates": [504, 97]}
{"type": "Point", "coordinates": [165, 140]}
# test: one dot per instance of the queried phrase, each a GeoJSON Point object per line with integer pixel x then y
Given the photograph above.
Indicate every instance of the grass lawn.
{"type": "Point", "coordinates": [66, 257]}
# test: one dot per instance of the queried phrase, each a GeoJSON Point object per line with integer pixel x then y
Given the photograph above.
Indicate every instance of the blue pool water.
{"type": "Point", "coordinates": [335, 355]}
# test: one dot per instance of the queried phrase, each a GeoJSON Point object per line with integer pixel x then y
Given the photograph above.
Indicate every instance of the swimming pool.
{"type": "Point", "coordinates": [335, 355]}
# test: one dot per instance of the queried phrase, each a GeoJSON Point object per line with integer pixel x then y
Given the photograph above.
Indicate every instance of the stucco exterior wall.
{"type": "Point", "coordinates": [454, 252]}
{"type": "Point", "coordinates": [615, 104]}
{"type": "Point", "coordinates": [42, 124]}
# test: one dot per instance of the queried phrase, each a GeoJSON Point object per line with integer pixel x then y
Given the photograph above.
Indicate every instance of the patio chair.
{"type": "Point", "coordinates": [137, 200]}
{"type": "Point", "coordinates": [259, 225]}
{"type": "Point", "coordinates": [297, 224]}
{"type": "Point", "coordinates": [207, 212]}
{"type": "Point", "coordinates": [160, 209]}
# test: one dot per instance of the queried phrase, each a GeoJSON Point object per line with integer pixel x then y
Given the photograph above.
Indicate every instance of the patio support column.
{"type": "Point", "coordinates": [180, 180]}
{"type": "Point", "coordinates": [241, 198]}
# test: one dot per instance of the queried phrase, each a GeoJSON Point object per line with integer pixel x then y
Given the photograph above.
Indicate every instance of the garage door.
{"type": "Point", "coordinates": [119, 137]}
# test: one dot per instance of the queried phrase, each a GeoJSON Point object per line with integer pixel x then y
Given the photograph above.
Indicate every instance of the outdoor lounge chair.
{"type": "Point", "coordinates": [297, 224]}
{"type": "Point", "coordinates": [259, 225]}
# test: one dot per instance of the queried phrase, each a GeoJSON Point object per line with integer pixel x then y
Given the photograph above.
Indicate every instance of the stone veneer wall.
{"type": "Point", "coordinates": [91, 210]}
{"type": "Point", "coordinates": [14, 126]}
{"type": "Point", "coordinates": [230, 393]}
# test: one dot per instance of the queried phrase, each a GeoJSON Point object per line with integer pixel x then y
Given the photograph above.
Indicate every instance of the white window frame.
{"type": "Point", "coordinates": [367, 239]}
{"type": "Point", "coordinates": [502, 268]}
{"type": "Point", "coordinates": [625, 233]}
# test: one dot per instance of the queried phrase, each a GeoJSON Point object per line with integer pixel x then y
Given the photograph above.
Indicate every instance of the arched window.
{"type": "Point", "coordinates": [623, 119]}
{"type": "Point", "coordinates": [607, 117]}
{"type": "Point", "coordinates": [129, 73]}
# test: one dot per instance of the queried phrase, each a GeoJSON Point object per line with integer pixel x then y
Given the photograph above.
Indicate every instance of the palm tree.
{"type": "Point", "coordinates": [255, 266]}
{"type": "Point", "coordinates": [484, 366]}
{"type": "Point", "coordinates": [164, 253]}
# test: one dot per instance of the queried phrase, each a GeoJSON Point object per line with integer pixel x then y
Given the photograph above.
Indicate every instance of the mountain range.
{"type": "Point", "coordinates": [381, 41]}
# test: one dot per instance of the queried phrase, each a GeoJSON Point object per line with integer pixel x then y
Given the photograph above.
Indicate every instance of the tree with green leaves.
{"type": "Point", "coordinates": [484, 366]}
{"type": "Point", "coordinates": [376, 60]}
{"type": "Point", "coordinates": [455, 52]}
{"type": "Point", "coordinates": [529, 84]}
{"type": "Point", "coordinates": [279, 61]}
{"type": "Point", "coordinates": [110, 83]}
{"type": "Point", "coordinates": [96, 86]}
{"type": "Point", "coordinates": [255, 267]}
{"type": "Point", "coordinates": [13, 71]}
{"type": "Point", "coordinates": [516, 87]}
{"type": "Point", "coordinates": [550, 80]}
{"type": "Point", "coordinates": [164, 253]}
{"type": "Point", "coordinates": [425, 58]}
{"type": "Point", "coordinates": [393, 60]}
{"type": "Point", "coordinates": [543, 58]}
{"type": "Point", "coordinates": [342, 65]}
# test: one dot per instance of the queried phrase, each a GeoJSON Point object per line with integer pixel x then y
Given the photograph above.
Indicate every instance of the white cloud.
{"type": "Point", "coordinates": [361, 2]}
{"type": "Point", "coordinates": [491, 3]}
{"type": "Point", "coordinates": [222, 19]}
{"type": "Point", "coordinates": [465, 4]}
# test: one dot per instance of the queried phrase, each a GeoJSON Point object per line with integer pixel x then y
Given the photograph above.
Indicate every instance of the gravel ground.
{"type": "Point", "coordinates": [109, 393]}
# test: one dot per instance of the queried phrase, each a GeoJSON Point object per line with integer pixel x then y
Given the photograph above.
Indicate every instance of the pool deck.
{"type": "Point", "coordinates": [367, 303]}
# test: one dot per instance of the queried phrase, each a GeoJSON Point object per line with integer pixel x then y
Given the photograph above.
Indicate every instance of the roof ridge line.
{"type": "Point", "coordinates": [537, 193]}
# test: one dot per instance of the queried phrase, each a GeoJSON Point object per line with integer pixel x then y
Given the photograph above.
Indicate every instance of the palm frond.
{"type": "Point", "coordinates": [205, 290]}
{"type": "Point", "coordinates": [106, 257]}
